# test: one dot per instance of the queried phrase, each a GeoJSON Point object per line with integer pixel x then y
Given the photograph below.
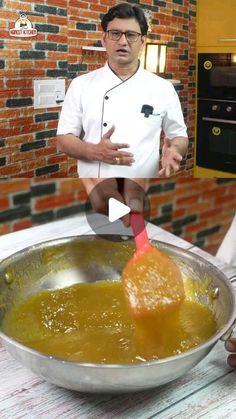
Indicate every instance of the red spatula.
{"type": "Point", "coordinates": [152, 282]}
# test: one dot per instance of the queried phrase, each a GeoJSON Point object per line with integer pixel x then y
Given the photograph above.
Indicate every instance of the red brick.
{"type": "Point", "coordinates": [4, 202]}
{"type": "Point", "coordinates": [5, 229]}
{"type": "Point", "coordinates": [8, 54]}
{"type": "Point", "coordinates": [179, 212]}
{"type": "Point", "coordinates": [27, 174]}
{"type": "Point", "coordinates": [17, 157]}
{"type": "Point", "coordinates": [20, 225]}
{"type": "Point", "coordinates": [33, 72]}
{"type": "Point", "coordinates": [224, 200]}
{"type": "Point", "coordinates": [47, 151]}
{"type": "Point", "coordinates": [54, 201]}
{"type": "Point", "coordinates": [8, 93]}
{"type": "Point", "coordinates": [82, 196]}
{"type": "Point", "coordinates": [19, 139]}
{"type": "Point", "coordinates": [4, 34]}
{"type": "Point", "coordinates": [210, 213]}
{"type": "Point", "coordinates": [187, 200]}
{"type": "Point", "coordinates": [13, 185]}
{"type": "Point", "coordinates": [63, 172]}
{"type": "Point", "coordinates": [98, 8]}
{"type": "Point", "coordinates": [57, 20]}
{"type": "Point", "coordinates": [111, 2]}
{"type": "Point", "coordinates": [10, 170]}
{"type": "Point", "coordinates": [9, 113]}
{"type": "Point", "coordinates": [73, 170]}
{"type": "Point", "coordinates": [212, 248]}
{"type": "Point", "coordinates": [197, 226]}
{"type": "Point", "coordinates": [77, 34]}
{"type": "Point", "coordinates": [79, 4]}
{"type": "Point", "coordinates": [75, 50]}
{"type": "Point", "coordinates": [57, 38]}
{"type": "Point", "coordinates": [51, 124]}
{"type": "Point", "coordinates": [58, 3]}
{"type": "Point", "coordinates": [160, 199]}
{"type": "Point", "coordinates": [199, 207]}
{"type": "Point", "coordinates": [33, 164]}
{"type": "Point", "coordinates": [57, 55]}
{"type": "Point", "coordinates": [89, 14]}
{"type": "Point", "coordinates": [22, 121]}
{"type": "Point", "coordinates": [15, 83]}
{"type": "Point", "coordinates": [70, 185]}
{"type": "Point", "coordinates": [18, 44]}
{"type": "Point", "coordinates": [57, 159]}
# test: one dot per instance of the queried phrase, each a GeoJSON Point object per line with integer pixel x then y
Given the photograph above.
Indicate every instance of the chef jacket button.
{"type": "Point", "coordinates": [105, 124]}
{"type": "Point", "coordinates": [106, 97]}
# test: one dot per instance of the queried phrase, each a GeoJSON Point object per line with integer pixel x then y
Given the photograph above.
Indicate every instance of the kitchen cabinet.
{"type": "Point", "coordinates": [216, 25]}
{"type": "Point", "coordinates": [202, 172]}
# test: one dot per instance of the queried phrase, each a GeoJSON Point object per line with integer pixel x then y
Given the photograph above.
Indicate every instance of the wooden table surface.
{"type": "Point", "coordinates": [207, 391]}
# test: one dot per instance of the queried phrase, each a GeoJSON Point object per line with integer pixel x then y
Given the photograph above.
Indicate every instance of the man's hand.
{"type": "Point", "coordinates": [172, 154]}
{"type": "Point", "coordinates": [170, 160]}
{"type": "Point", "coordinates": [134, 192]}
{"type": "Point", "coordinates": [108, 152]}
{"type": "Point", "coordinates": [105, 151]}
{"type": "Point", "coordinates": [99, 191]}
{"type": "Point", "coordinates": [130, 192]}
{"type": "Point", "coordinates": [230, 346]}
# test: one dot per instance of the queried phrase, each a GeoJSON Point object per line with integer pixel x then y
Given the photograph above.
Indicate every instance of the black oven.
{"type": "Point", "coordinates": [216, 112]}
{"type": "Point", "coordinates": [216, 135]}
{"type": "Point", "coordinates": [217, 76]}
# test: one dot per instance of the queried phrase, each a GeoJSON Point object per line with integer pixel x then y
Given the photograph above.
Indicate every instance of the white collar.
{"type": "Point", "coordinates": [116, 78]}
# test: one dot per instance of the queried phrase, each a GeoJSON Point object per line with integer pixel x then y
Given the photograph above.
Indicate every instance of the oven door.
{"type": "Point", "coordinates": [217, 76]}
{"type": "Point", "coordinates": [216, 144]}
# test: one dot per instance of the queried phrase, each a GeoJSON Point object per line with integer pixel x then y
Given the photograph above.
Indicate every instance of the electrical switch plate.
{"type": "Point", "coordinates": [49, 93]}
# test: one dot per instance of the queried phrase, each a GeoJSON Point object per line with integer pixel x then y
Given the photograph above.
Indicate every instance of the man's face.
{"type": "Point", "coordinates": [122, 51]}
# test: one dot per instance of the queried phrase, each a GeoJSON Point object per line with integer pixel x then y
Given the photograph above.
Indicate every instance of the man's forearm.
{"type": "Point", "coordinates": [75, 147]}
{"type": "Point", "coordinates": [181, 144]}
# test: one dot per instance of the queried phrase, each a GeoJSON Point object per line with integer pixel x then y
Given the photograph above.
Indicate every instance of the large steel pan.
{"type": "Point", "coordinates": [60, 263]}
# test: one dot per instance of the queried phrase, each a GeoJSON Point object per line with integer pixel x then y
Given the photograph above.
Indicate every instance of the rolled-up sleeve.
{"type": "Point", "coordinates": [70, 121]}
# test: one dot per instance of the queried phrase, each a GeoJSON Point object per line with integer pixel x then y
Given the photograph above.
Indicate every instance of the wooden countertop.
{"type": "Point", "coordinates": [207, 391]}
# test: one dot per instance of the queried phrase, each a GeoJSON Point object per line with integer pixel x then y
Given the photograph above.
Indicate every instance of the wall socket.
{"type": "Point", "coordinates": [49, 93]}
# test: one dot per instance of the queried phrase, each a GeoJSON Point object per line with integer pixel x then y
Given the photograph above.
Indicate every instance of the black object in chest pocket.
{"type": "Point", "coordinates": [147, 110]}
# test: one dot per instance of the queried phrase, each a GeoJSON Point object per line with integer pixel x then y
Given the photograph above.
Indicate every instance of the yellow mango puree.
{"type": "Point", "coordinates": [91, 323]}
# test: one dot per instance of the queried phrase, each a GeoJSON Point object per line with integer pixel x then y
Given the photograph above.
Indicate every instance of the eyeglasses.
{"type": "Point", "coordinates": [131, 36]}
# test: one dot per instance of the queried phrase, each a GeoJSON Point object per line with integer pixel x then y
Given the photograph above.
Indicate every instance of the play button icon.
{"type": "Point", "coordinates": [109, 204]}
{"type": "Point", "coordinates": [116, 210]}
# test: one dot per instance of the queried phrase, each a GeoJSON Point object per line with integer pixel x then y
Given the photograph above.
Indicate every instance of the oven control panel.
{"type": "Point", "coordinates": [218, 109]}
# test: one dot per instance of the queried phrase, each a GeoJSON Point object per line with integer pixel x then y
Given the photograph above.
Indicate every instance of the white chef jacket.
{"type": "Point", "coordinates": [97, 100]}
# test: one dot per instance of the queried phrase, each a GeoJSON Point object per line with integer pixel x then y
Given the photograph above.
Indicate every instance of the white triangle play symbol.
{"type": "Point", "coordinates": [116, 209]}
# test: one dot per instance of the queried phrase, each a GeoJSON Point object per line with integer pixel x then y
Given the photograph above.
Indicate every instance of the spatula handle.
{"type": "Point", "coordinates": [139, 230]}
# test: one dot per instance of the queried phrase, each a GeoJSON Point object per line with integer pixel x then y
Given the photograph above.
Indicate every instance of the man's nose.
{"type": "Point", "coordinates": [123, 39]}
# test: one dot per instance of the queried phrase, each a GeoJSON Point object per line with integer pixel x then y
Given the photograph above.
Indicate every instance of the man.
{"type": "Point", "coordinates": [112, 118]}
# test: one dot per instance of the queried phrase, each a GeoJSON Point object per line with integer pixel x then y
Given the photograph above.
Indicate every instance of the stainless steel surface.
{"type": "Point", "coordinates": [63, 262]}
{"type": "Point", "coordinates": [228, 121]}
{"type": "Point", "coordinates": [227, 39]}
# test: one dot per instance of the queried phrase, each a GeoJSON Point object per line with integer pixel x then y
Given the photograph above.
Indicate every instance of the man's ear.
{"type": "Point", "coordinates": [144, 40]}
{"type": "Point", "coordinates": [103, 39]}
{"type": "Point", "coordinates": [142, 49]}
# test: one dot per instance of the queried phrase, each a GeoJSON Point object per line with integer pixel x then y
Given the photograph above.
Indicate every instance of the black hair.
{"type": "Point", "coordinates": [125, 11]}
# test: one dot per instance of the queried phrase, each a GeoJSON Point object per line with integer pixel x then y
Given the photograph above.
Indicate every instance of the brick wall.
{"type": "Point", "coordinates": [27, 135]}
{"type": "Point", "coordinates": [198, 210]}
